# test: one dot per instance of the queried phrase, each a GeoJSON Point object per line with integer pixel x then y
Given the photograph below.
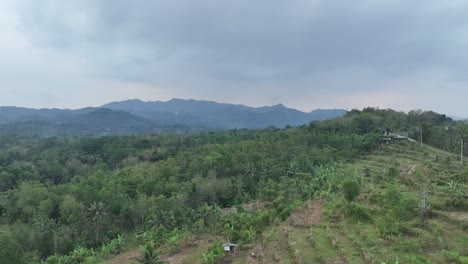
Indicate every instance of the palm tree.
{"type": "Point", "coordinates": [98, 213]}
{"type": "Point", "coordinates": [150, 256]}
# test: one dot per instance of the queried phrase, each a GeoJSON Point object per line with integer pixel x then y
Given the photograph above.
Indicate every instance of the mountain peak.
{"type": "Point", "coordinates": [280, 105]}
{"type": "Point", "coordinates": [126, 103]}
{"type": "Point", "coordinates": [136, 100]}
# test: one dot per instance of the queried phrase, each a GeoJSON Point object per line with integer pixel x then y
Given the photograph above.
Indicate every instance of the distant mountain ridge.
{"type": "Point", "coordinates": [221, 114]}
{"type": "Point", "coordinates": [136, 117]}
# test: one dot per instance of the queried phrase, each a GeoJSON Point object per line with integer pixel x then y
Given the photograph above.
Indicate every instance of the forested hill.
{"type": "Point", "coordinates": [222, 115]}
{"type": "Point", "coordinates": [85, 200]}
{"type": "Point", "coordinates": [138, 117]}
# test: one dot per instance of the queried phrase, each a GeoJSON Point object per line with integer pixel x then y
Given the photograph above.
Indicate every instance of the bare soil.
{"type": "Point", "coordinates": [310, 215]}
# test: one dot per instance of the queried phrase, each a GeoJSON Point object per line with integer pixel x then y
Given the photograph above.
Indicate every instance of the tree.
{"type": "Point", "coordinates": [418, 115]}
{"type": "Point", "coordinates": [97, 212]}
{"type": "Point", "coordinates": [462, 131]}
{"type": "Point", "coordinates": [424, 184]}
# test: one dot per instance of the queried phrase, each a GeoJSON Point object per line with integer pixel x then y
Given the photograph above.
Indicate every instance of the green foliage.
{"type": "Point", "coordinates": [10, 251]}
{"type": "Point", "coordinates": [396, 209]}
{"type": "Point", "coordinates": [450, 255]}
{"type": "Point", "coordinates": [359, 212]}
{"type": "Point", "coordinates": [149, 255]}
{"type": "Point", "coordinates": [114, 246]}
{"type": "Point", "coordinates": [214, 255]}
{"type": "Point", "coordinates": [463, 259]}
{"type": "Point", "coordinates": [79, 254]}
{"type": "Point", "coordinates": [392, 173]}
{"type": "Point", "coordinates": [351, 189]}
{"type": "Point", "coordinates": [455, 193]}
{"type": "Point", "coordinates": [174, 240]}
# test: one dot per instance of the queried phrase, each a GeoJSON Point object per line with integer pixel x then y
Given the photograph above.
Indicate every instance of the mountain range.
{"type": "Point", "coordinates": [136, 116]}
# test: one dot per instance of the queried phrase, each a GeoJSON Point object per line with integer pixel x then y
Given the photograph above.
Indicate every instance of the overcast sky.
{"type": "Point", "coordinates": [306, 54]}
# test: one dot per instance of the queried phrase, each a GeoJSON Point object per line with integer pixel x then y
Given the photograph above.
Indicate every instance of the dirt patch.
{"type": "Point", "coordinates": [412, 169]}
{"type": "Point", "coordinates": [186, 250]}
{"type": "Point", "coordinates": [255, 254]}
{"type": "Point", "coordinates": [415, 167]}
{"type": "Point", "coordinates": [180, 256]}
{"type": "Point", "coordinates": [191, 251]}
{"type": "Point", "coordinates": [311, 214]}
{"type": "Point", "coordinates": [252, 260]}
{"type": "Point", "coordinates": [257, 206]}
{"type": "Point", "coordinates": [226, 210]}
{"type": "Point", "coordinates": [126, 257]}
{"type": "Point", "coordinates": [457, 216]}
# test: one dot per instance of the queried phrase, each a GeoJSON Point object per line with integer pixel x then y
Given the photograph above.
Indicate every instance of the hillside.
{"type": "Point", "coordinates": [327, 192]}
{"type": "Point", "coordinates": [327, 229]}
{"type": "Point", "coordinates": [91, 122]}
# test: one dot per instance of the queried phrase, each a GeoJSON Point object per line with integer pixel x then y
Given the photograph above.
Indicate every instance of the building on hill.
{"type": "Point", "coordinates": [389, 137]}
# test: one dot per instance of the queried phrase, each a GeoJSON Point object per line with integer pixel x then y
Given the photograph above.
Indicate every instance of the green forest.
{"type": "Point", "coordinates": [94, 199]}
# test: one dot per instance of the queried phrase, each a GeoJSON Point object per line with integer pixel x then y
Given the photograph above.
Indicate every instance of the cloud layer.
{"type": "Point", "coordinates": [304, 53]}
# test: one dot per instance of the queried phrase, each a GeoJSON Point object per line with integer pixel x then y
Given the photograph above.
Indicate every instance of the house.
{"type": "Point", "coordinates": [229, 247]}
{"type": "Point", "coordinates": [388, 136]}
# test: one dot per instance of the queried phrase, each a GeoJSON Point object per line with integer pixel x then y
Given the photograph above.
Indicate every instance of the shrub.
{"type": "Point", "coordinates": [388, 225]}
{"type": "Point", "coordinates": [359, 212]}
{"type": "Point", "coordinates": [351, 189]}
{"type": "Point", "coordinates": [214, 254]}
{"type": "Point", "coordinates": [149, 256]}
{"type": "Point", "coordinates": [80, 253]}
{"type": "Point", "coordinates": [113, 247]}
{"type": "Point", "coordinates": [450, 255]}
{"type": "Point", "coordinates": [463, 259]}
{"type": "Point", "coordinates": [393, 173]}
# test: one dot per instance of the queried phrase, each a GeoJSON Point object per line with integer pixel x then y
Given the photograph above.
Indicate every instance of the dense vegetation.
{"type": "Point", "coordinates": [73, 200]}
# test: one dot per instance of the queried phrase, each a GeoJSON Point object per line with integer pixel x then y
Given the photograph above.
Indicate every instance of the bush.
{"type": "Point", "coordinates": [80, 253]}
{"type": "Point", "coordinates": [450, 255]}
{"type": "Point", "coordinates": [149, 256]}
{"type": "Point", "coordinates": [351, 189]}
{"type": "Point", "coordinates": [214, 254]}
{"type": "Point", "coordinates": [113, 247]}
{"type": "Point", "coordinates": [463, 259]}
{"type": "Point", "coordinates": [388, 225]}
{"type": "Point", "coordinates": [359, 212]}
{"type": "Point", "coordinates": [393, 173]}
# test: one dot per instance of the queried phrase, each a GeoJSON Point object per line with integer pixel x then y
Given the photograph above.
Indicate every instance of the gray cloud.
{"type": "Point", "coordinates": [305, 53]}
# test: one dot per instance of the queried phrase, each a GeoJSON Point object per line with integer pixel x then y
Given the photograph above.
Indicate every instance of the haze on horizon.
{"type": "Point", "coordinates": [306, 54]}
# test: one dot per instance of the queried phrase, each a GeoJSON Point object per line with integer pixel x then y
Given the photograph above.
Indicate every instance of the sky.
{"type": "Point", "coordinates": [306, 54]}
